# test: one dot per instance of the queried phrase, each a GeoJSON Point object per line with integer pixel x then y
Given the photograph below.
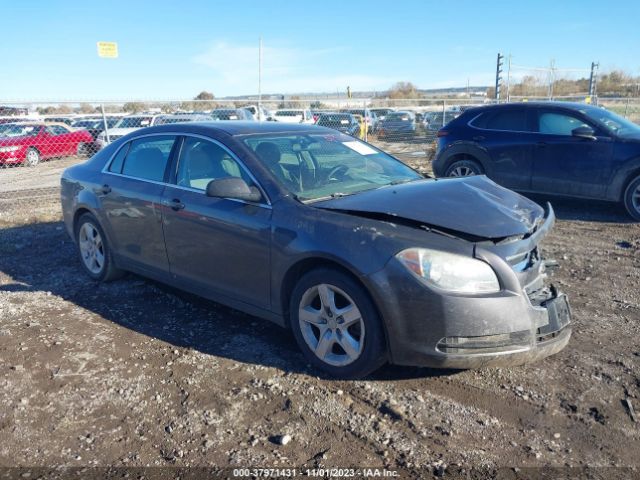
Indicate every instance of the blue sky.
{"type": "Point", "coordinates": [175, 49]}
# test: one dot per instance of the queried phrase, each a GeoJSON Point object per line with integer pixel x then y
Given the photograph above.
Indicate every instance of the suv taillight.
{"type": "Point", "coordinates": [442, 133]}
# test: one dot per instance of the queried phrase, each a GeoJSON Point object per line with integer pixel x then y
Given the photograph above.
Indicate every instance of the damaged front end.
{"type": "Point", "coordinates": [527, 319]}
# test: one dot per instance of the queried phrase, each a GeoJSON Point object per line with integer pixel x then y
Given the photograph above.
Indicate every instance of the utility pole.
{"type": "Point", "coordinates": [260, 79]}
{"type": "Point", "coordinates": [509, 79]}
{"type": "Point", "coordinates": [593, 80]}
{"type": "Point", "coordinates": [499, 75]}
{"type": "Point", "coordinates": [551, 69]}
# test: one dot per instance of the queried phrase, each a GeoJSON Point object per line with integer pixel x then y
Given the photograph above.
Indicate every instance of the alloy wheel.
{"type": "Point", "coordinates": [635, 198]}
{"type": "Point", "coordinates": [331, 325]}
{"type": "Point", "coordinates": [33, 157]}
{"type": "Point", "coordinates": [462, 171]}
{"type": "Point", "coordinates": [91, 248]}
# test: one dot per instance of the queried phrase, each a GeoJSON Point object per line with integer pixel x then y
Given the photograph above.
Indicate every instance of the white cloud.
{"type": "Point", "coordinates": [284, 69]}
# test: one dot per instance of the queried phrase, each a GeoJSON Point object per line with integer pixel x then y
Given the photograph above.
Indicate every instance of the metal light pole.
{"type": "Point", "coordinates": [260, 79]}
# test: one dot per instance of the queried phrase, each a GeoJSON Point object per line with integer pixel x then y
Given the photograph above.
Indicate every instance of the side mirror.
{"type": "Point", "coordinates": [584, 132]}
{"type": "Point", "coordinates": [234, 188]}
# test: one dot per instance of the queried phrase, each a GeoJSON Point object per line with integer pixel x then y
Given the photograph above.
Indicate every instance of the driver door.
{"type": "Point", "coordinates": [565, 164]}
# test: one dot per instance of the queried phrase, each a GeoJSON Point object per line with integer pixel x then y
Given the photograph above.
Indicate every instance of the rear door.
{"type": "Point", "coordinates": [507, 135]}
{"type": "Point", "coordinates": [131, 197]}
{"type": "Point", "coordinates": [565, 164]}
{"type": "Point", "coordinates": [216, 244]}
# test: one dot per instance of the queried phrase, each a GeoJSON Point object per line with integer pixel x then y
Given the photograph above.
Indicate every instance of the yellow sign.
{"type": "Point", "coordinates": [587, 99]}
{"type": "Point", "coordinates": [108, 49]}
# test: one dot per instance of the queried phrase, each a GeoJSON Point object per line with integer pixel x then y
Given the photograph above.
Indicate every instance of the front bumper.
{"type": "Point", "coordinates": [524, 322]}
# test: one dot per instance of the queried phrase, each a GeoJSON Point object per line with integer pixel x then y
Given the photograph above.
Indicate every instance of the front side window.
{"type": "Point", "coordinates": [324, 165]}
{"type": "Point", "coordinates": [148, 157]}
{"type": "Point", "coordinates": [555, 123]}
{"type": "Point", "coordinates": [202, 161]}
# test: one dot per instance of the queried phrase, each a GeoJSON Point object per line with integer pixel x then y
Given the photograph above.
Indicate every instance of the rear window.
{"type": "Point", "coordinates": [399, 116]}
{"type": "Point", "coordinates": [147, 158]}
{"type": "Point", "coordinates": [289, 113]}
{"type": "Point", "coordinates": [513, 120]}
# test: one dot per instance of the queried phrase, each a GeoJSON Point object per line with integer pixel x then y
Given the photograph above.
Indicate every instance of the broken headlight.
{"type": "Point", "coordinates": [449, 271]}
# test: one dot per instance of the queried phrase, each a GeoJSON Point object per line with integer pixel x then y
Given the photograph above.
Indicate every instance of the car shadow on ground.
{"type": "Point", "coordinates": [584, 210]}
{"type": "Point", "coordinates": [41, 258]}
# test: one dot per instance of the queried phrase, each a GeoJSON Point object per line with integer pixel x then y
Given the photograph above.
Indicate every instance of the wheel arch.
{"type": "Point", "coordinates": [464, 151]}
{"type": "Point", "coordinates": [296, 271]}
{"type": "Point", "coordinates": [622, 179]}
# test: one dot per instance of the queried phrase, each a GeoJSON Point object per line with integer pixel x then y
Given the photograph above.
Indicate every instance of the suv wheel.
{"type": "Point", "coordinates": [336, 325]}
{"type": "Point", "coordinates": [631, 198]}
{"type": "Point", "coordinates": [464, 168]}
{"type": "Point", "coordinates": [94, 251]}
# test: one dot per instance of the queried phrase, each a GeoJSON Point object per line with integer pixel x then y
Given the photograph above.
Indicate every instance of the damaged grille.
{"type": "Point", "coordinates": [524, 261]}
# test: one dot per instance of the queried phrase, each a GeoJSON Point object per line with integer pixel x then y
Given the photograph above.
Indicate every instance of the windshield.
{"type": "Point", "coordinates": [13, 130]}
{"type": "Point", "coordinates": [612, 122]}
{"type": "Point", "coordinates": [289, 113]}
{"type": "Point", "coordinates": [321, 166]}
{"type": "Point", "coordinates": [133, 122]}
{"type": "Point", "coordinates": [399, 117]}
{"type": "Point", "coordinates": [87, 124]}
{"type": "Point", "coordinates": [337, 119]}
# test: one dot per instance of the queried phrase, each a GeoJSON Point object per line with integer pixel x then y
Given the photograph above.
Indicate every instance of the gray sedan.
{"type": "Point", "coordinates": [364, 259]}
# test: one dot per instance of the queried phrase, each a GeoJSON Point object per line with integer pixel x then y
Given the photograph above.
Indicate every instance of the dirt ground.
{"type": "Point", "coordinates": [132, 373]}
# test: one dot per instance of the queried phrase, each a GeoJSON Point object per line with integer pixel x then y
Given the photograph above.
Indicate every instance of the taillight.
{"type": "Point", "coordinates": [442, 133]}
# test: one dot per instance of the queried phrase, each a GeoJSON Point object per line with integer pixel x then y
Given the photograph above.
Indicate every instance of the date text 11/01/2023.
{"type": "Point", "coordinates": [314, 472]}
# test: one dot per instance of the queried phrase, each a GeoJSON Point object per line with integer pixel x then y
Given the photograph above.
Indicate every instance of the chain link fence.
{"type": "Point", "coordinates": [38, 140]}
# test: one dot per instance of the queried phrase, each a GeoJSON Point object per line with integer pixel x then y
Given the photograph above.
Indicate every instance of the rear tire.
{"type": "Point", "coordinates": [82, 150]}
{"type": "Point", "coordinates": [94, 250]}
{"type": "Point", "coordinates": [336, 324]}
{"type": "Point", "coordinates": [631, 199]}
{"type": "Point", "coordinates": [464, 168]}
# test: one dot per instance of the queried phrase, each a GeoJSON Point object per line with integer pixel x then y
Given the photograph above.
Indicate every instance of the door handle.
{"type": "Point", "coordinates": [106, 189]}
{"type": "Point", "coordinates": [176, 204]}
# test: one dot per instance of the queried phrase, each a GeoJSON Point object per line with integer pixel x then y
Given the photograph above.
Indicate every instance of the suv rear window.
{"type": "Point", "coordinates": [513, 120]}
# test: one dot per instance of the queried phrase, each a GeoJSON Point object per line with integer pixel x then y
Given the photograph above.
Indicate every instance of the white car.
{"type": "Point", "coordinates": [259, 113]}
{"type": "Point", "coordinates": [293, 115]}
{"type": "Point", "coordinates": [126, 125]}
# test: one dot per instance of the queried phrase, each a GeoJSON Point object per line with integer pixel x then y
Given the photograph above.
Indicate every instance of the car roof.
{"type": "Point", "coordinates": [234, 127]}
{"type": "Point", "coordinates": [567, 105]}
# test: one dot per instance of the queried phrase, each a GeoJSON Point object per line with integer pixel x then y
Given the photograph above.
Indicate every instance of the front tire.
{"type": "Point", "coordinates": [631, 199]}
{"type": "Point", "coordinates": [464, 168]}
{"type": "Point", "coordinates": [32, 157]}
{"type": "Point", "coordinates": [93, 248]}
{"type": "Point", "coordinates": [336, 324]}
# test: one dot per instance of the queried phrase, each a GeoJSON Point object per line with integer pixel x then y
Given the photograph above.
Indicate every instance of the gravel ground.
{"type": "Point", "coordinates": [132, 373]}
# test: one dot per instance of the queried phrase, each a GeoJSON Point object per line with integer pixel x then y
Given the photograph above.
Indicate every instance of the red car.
{"type": "Point", "coordinates": [29, 143]}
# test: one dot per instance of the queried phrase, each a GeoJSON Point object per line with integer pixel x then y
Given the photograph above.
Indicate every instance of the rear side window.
{"type": "Point", "coordinates": [513, 120]}
{"type": "Point", "coordinates": [148, 157]}
{"type": "Point", "coordinates": [118, 160]}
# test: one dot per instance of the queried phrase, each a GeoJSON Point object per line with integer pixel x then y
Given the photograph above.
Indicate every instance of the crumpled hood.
{"type": "Point", "coordinates": [474, 205]}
